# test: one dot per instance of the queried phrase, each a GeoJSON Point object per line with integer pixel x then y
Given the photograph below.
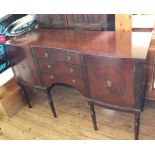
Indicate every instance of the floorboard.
{"type": "Point", "coordinates": [74, 121]}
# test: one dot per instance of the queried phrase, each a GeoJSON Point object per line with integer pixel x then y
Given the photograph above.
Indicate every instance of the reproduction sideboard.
{"type": "Point", "coordinates": [108, 68]}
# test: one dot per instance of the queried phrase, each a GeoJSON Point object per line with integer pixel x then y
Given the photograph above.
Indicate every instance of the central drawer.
{"type": "Point", "coordinates": [58, 67]}
{"type": "Point", "coordinates": [51, 78]}
{"type": "Point", "coordinates": [60, 55]}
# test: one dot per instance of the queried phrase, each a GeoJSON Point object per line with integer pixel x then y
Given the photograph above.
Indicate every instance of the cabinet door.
{"type": "Point", "coordinates": [55, 21]}
{"type": "Point", "coordinates": [87, 21]}
{"type": "Point", "coordinates": [111, 80]}
{"type": "Point", "coordinates": [23, 65]}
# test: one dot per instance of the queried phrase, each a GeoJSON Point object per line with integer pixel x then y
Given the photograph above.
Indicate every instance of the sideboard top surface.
{"type": "Point", "coordinates": [105, 43]}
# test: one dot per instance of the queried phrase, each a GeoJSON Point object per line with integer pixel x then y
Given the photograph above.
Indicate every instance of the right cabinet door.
{"type": "Point", "coordinates": [111, 80]}
{"type": "Point", "coordinates": [54, 21]}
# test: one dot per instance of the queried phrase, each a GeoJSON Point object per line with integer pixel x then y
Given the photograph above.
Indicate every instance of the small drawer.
{"type": "Point", "coordinates": [58, 67]}
{"type": "Point", "coordinates": [60, 55]}
{"type": "Point", "coordinates": [68, 80]}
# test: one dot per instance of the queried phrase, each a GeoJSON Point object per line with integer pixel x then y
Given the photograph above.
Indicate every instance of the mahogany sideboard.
{"type": "Point", "coordinates": [108, 68]}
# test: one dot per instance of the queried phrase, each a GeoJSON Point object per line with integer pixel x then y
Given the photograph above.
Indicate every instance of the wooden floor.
{"type": "Point", "coordinates": [73, 120]}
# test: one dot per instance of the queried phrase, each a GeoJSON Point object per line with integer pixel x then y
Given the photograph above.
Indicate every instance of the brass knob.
{"type": "Point", "coordinates": [49, 66]}
{"type": "Point", "coordinates": [73, 81]}
{"type": "Point", "coordinates": [109, 83]}
{"type": "Point", "coordinates": [69, 58]}
{"type": "Point", "coordinates": [71, 70]}
{"type": "Point", "coordinates": [46, 55]}
{"type": "Point", "coordinates": [51, 77]}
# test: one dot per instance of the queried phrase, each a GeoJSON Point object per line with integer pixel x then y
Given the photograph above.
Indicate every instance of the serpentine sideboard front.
{"type": "Point", "coordinates": [108, 68]}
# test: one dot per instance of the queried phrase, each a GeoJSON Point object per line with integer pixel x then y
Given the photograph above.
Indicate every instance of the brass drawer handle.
{"type": "Point", "coordinates": [49, 66]}
{"type": "Point", "coordinates": [109, 83]}
{"type": "Point", "coordinates": [51, 77]}
{"type": "Point", "coordinates": [71, 70]}
{"type": "Point", "coordinates": [73, 81]}
{"type": "Point", "coordinates": [69, 58]}
{"type": "Point", "coordinates": [46, 55]}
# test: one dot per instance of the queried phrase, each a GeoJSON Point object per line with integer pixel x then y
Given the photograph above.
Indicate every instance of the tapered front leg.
{"type": "Point", "coordinates": [50, 101]}
{"type": "Point", "coordinates": [26, 96]}
{"type": "Point", "coordinates": [93, 115]}
{"type": "Point", "coordinates": [137, 125]}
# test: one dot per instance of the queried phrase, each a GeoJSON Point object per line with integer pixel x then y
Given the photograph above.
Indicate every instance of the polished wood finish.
{"type": "Point", "coordinates": [111, 76]}
{"type": "Point", "coordinates": [25, 94]}
{"type": "Point", "coordinates": [137, 122]}
{"type": "Point", "coordinates": [59, 55]}
{"type": "Point", "coordinates": [50, 101]}
{"type": "Point", "coordinates": [51, 78]}
{"type": "Point", "coordinates": [87, 42]}
{"type": "Point", "coordinates": [60, 68]}
{"type": "Point", "coordinates": [93, 114]}
{"type": "Point", "coordinates": [111, 80]}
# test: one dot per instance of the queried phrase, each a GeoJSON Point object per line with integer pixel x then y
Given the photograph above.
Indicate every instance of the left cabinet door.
{"type": "Point", "coordinates": [23, 65]}
{"type": "Point", "coordinates": [54, 21]}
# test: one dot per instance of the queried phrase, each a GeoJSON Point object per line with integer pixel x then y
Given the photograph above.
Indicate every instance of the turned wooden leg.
{"type": "Point", "coordinates": [93, 115]}
{"type": "Point", "coordinates": [137, 125]}
{"type": "Point", "coordinates": [142, 109]}
{"type": "Point", "coordinates": [26, 96]}
{"type": "Point", "coordinates": [50, 101]}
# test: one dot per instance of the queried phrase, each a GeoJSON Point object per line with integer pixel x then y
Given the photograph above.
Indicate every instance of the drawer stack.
{"type": "Point", "coordinates": [59, 66]}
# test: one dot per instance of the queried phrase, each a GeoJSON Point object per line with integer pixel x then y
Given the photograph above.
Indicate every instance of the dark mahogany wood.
{"type": "Point", "coordinates": [46, 90]}
{"type": "Point", "coordinates": [105, 43]}
{"type": "Point", "coordinates": [137, 125]}
{"type": "Point", "coordinates": [51, 78]}
{"type": "Point", "coordinates": [93, 114]}
{"type": "Point", "coordinates": [108, 68]}
{"type": "Point", "coordinates": [25, 94]}
{"type": "Point", "coordinates": [111, 80]}
{"type": "Point", "coordinates": [50, 101]}
{"type": "Point", "coordinates": [59, 55]}
{"type": "Point", "coordinates": [61, 68]}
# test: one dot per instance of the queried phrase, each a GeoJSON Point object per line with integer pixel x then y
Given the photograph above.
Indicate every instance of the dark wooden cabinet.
{"type": "Point", "coordinates": [54, 21]}
{"type": "Point", "coordinates": [61, 66]}
{"type": "Point", "coordinates": [96, 22]}
{"type": "Point", "coordinates": [111, 80]}
{"type": "Point", "coordinates": [87, 22]}
{"type": "Point", "coordinates": [91, 61]}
